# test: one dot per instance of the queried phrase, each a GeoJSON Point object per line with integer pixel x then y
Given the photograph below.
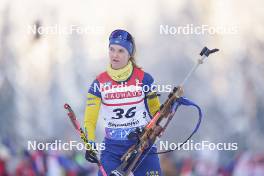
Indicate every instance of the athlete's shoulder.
{"type": "Point", "coordinates": [147, 79]}
{"type": "Point", "coordinates": [102, 77]}
{"type": "Point", "coordinates": [138, 72]}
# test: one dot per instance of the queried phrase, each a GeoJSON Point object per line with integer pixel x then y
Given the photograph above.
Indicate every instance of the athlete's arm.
{"type": "Point", "coordinates": [92, 109]}
{"type": "Point", "coordinates": [153, 103]}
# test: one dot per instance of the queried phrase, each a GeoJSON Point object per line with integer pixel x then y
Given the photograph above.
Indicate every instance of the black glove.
{"type": "Point", "coordinates": [91, 157]}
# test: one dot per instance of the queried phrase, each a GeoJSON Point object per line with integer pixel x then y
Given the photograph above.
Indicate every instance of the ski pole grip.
{"type": "Point", "coordinates": [205, 51]}
{"type": "Point", "coordinates": [72, 116]}
{"type": "Point", "coordinates": [66, 106]}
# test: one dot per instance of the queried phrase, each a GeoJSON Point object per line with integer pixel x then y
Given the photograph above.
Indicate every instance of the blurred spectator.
{"type": "Point", "coordinates": [4, 156]}
{"type": "Point", "coordinates": [167, 164]}
{"type": "Point", "coordinates": [3, 171]}
{"type": "Point", "coordinates": [25, 167]}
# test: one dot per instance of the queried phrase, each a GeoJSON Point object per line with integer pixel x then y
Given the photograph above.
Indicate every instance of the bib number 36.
{"type": "Point", "coordinates": [120, 113]}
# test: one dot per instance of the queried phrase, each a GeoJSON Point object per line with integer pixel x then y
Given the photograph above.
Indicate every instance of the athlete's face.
{"type": "Point", "coordinates": [119, 56]}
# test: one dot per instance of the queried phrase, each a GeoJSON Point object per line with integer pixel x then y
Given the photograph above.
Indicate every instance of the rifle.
{"type": "Point", "coordinates": [154, 128]}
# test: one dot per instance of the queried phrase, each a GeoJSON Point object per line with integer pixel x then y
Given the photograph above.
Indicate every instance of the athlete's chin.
{"type": "Point", "coordinates": [116, 66]}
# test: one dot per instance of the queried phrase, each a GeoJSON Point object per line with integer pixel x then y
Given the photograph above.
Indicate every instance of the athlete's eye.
{"type": "Point", "coordinates": [111, 49]}
{"type": "Point", "coordinates": [121, 50]}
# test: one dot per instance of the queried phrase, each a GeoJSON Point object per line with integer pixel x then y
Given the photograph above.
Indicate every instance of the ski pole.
{"type": "Point", "coordinates": [204, 54]}
{"type": "Point", "coordinates": [178, 91]}
{"type": "Point", "coordinates": [79, 129]}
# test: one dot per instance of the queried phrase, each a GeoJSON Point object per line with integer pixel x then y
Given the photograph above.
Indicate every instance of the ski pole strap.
{"type": "Point", "coordinates": [186, 102]}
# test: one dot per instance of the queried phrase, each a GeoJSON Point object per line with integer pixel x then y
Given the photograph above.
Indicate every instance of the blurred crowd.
{"type": "Point", "coordinates": [244, 164]}
{"type": "Point", "coordinates": [73, 163]}
{"type": "Point", "coordinates": [40, 163]}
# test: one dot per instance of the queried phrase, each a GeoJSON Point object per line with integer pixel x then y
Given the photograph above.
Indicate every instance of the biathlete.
{"type": "Point", "coordinates": [126, 100]}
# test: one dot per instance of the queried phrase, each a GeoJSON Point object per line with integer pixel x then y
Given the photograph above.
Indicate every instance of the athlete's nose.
{"type": "Point", "coordinates": [115, 54]}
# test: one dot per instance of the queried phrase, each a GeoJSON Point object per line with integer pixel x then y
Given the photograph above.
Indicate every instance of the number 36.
{"type": "Point", "coordinates": [120, 113]}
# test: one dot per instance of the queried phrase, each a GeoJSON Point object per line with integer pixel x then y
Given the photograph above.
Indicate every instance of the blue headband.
{"type": "Point", "coordinates": [122, 38]}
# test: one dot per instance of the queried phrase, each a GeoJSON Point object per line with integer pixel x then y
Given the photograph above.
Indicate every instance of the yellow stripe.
{"type": "Point", "coordinates": [153, 104]}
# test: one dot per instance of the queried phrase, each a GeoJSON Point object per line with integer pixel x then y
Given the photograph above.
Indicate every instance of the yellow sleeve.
{"type": "Point", "coordinates": [91, 115]}
{"type": "Point", "coordinates": [153, 103]}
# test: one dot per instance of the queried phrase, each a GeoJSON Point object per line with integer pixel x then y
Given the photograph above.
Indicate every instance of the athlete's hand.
{"type": "Point", "coordinates": [90, 155]}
